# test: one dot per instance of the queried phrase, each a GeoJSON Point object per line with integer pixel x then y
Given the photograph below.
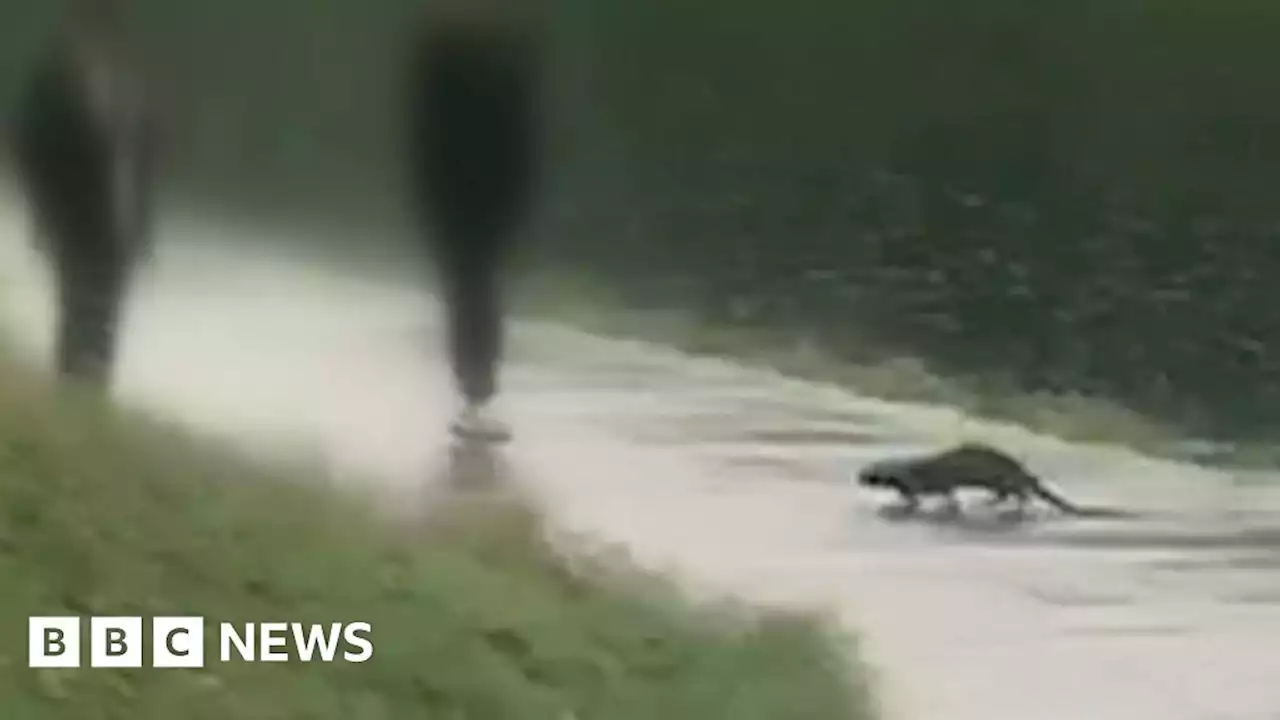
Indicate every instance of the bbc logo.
{"type": "Point", "coordinates": [178, 642]}
{"type": "Point", "coordinates": [116, 642]}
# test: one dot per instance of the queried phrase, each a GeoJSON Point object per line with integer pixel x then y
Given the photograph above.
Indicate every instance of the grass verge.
{"type": "Point", "coordinates": [590, 305]}
{"type": "Point", "coordinates": [475, 616]}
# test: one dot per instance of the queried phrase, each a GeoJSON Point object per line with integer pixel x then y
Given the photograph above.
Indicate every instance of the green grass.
{"type": "Point", "coordinates": [474, 615]}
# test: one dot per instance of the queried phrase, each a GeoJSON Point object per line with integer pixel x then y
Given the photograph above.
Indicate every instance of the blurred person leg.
{"type": "Point", "coordinates": [474, 321]}
{"type": "Point", "coordinates": [83, 138]}
{"type": "Point", "coordinates": [90, 300]}
{"type": "Point", "coordinates": [475, 133]}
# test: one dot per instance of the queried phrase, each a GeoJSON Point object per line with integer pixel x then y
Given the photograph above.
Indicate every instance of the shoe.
{"type": "Point", "coordinates": [477, 422]}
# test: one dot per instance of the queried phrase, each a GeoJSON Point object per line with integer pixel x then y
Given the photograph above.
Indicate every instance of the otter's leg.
{"type": "Point", "coordinates": [998, 496]}
{"type": "Point", "coordinates": [951, 504]}
{"type": "Point", "coordinates": [1022, 501]}
{"type": "Point", "coordinates": [910, 501]}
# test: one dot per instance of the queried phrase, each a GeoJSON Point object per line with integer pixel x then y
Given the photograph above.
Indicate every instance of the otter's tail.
{"type": "Point", "coordinates": [1071, 508]}
{"type": "Point", "coordinates": [1056, 500]}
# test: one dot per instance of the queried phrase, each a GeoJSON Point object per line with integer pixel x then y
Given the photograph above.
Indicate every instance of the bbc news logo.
{"type": "Point", "coordinates": [179, 642]}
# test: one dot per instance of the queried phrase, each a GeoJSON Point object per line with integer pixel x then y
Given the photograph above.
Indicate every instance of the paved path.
{"type": "Point", "coordinates": [738, 479]}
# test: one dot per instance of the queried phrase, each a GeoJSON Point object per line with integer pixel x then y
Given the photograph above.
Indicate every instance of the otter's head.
{"type": "Point", "coordinates": [883, 474]}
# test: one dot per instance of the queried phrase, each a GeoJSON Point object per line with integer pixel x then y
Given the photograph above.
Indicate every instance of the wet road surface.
{"type": "Point", "coordinates": [738, 480]}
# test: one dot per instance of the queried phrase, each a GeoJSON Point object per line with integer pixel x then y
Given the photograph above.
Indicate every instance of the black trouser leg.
{"type": "Point", "coordinates": [90, 298]}
{"type": "Point", "coordinates": [475, 322]}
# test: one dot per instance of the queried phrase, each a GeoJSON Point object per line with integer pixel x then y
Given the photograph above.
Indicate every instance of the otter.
{"type": "Point", "coordinates": [970, 465]}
